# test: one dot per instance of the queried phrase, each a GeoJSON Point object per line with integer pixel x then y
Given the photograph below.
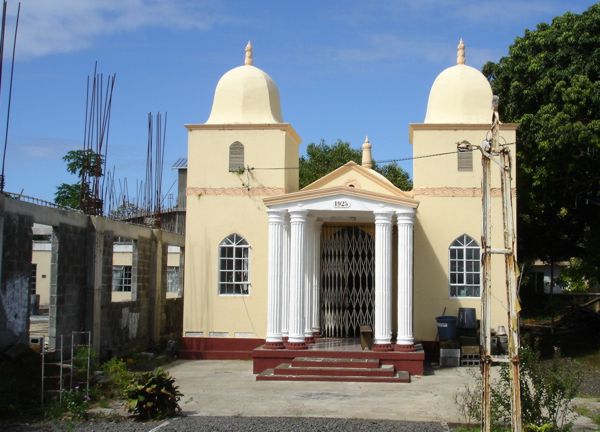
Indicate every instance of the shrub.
{"type": "Point", "coordinates": [153, 395]}
{"type": "Point", "coordinates": [547, 389]}
{"type": "Point", "coordinates": [74, 406]}
{"type": "Point", "coordinates": [118, 374]}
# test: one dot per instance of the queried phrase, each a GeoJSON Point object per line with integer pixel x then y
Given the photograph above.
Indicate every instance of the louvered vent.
{"type": "Point", "coordinates": [236, 157]}
{"type": "Point", "coordinates": [465, 161]}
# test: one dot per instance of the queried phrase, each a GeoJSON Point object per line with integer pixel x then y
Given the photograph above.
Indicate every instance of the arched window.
{"type": "Point", "coordinates": [465, 266]}
{"type": "Point", "coordinates": [236, 157]}
{"type": "Point", "coordinates": [234, 265]}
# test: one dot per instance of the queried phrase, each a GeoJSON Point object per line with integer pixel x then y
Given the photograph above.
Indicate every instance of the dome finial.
{"type": "Point", "coordinates": [249, 60]}
{"type": "Point", "coordinates": [460, 54]}
{"type": "Point", "coordinates": [367, 160]}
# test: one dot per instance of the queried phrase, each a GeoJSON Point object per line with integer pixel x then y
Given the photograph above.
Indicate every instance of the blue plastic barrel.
{"type": "Point", "coordinates": [446, 326]}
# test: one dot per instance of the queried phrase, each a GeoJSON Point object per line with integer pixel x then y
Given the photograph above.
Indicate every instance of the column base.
{"type": "Point", "coordinates": [309, 339]}
{"type": "Point", "coordinates": [295, 345]}
{"type": "Point", "coordinates": [382, 347]}
{"type": "Point", "coordinates": [274, 345]}
{"type": "Point", "coordinates": [404, 348]}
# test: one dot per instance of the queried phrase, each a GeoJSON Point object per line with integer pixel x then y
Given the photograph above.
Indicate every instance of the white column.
{"type": "Point", "coordinates": [405, 220]}
{"type": "Point", "coordinates": [297, 269]}
{"type": "Point", "coordinates": [285, 276]}
{"type": "Point", "coordinates": [316, 311]}
{"type": "Point", "coordinates": [309, 279]}
{"type": "Point", "coordinates": [276, 221]}
{"type": "Point", "coordinates": [383, 280]}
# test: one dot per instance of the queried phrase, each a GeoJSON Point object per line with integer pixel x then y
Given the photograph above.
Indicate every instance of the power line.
{"type": "Point", "coordinates": [386, 160]}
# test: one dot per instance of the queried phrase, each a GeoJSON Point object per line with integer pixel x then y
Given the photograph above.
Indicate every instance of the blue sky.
{"type": "Point", "coordinates": [345, 69]}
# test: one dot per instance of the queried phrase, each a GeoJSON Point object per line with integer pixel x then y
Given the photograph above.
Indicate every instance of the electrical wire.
{"type": "Point", "coordinates": [386, 160]}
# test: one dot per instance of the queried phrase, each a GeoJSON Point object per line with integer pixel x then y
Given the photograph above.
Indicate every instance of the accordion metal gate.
{"type": "Point", "coordinates": [347, 279]}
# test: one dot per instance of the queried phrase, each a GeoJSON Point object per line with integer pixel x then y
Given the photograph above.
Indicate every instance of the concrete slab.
{"type": "Point", "coordinates": [228, 388]}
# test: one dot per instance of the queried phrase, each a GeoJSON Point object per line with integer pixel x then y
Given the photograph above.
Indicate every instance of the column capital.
{"type": "Point", "coordinates": [298, 214]}
{"type": "Point", "coordinates": [276, 215]}
{"type": "Point", "coordinates": [383, 216]}
{"type": "Point", "coordinates": [405, 216]}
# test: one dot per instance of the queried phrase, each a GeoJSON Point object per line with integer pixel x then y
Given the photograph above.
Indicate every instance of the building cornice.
{"type": "Point", "coordinates": [456, 126]}
{"type": "Point", "coordinates": [304, 195]}
{"type": "Point", "coordinates": [286, 127]}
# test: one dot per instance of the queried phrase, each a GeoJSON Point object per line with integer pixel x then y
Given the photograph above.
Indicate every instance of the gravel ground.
{"type": "Point", "coordinates": [235, 424]}
{"type": "Point", "coordinates": [591, 382]}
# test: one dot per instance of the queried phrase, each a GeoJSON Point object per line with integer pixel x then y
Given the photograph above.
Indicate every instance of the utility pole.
{"type": "Point", "coordinates": [486, 296]}
{"type": "Point", "coordinates": [491, 150]}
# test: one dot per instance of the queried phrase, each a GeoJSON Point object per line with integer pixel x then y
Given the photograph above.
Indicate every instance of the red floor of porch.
{"type": "Point", "coordinates": [340, 348]}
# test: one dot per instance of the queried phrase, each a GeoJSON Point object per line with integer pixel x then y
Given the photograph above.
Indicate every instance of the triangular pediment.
{"type": "Point", "coordinates": [355, 176]}
{"type": "Point", "coordinates": [335, 197]}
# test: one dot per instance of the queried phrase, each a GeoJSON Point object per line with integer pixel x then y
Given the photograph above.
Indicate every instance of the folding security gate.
{"type": "Point", "coordinates": [347, 279]}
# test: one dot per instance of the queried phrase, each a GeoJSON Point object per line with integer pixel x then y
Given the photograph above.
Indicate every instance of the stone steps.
{"type": "Point", "coordinates": [334, 369]}
{"type": "Point", "coordinates": [353, 363]}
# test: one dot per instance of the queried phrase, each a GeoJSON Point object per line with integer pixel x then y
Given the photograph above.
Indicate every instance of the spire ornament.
{"type": "Point", "coordinates": [249, 60]}
{"type": "Point", "coordinates": [460, 53]}
{"type": "Point", "coordinates": [367, 159]}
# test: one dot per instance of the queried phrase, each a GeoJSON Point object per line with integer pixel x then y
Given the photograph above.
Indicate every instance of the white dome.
{"type": "Point", "coordinates": [246, 95]}
{"type": "Point", "coordinates": [460, 94]}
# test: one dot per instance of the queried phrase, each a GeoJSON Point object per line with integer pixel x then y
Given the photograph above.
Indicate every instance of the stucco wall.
{"type": "Point", "coordinates": [220, 203]}
{"type": "Point", "coordinates": [449, 206]}
{"type": "Point", "coordinates": [42, 257]}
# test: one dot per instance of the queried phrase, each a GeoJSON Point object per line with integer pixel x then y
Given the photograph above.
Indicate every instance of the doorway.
{"type": "Point", "coordinates": [347, 279]}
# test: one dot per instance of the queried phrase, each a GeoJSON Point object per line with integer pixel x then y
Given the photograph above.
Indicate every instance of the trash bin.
{"type": "Point", "coordinates": [467, 318]}
{"type": "Point", "coordinates": [446, 326]}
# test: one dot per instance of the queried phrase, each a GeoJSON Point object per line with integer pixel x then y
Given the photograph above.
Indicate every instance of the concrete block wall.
{"type": "Point", "coordinates": [81, 282]}
{"type": "Point", "coordinates": [69, 267]}
{"type": "Point", "coordinates": [16, 243]}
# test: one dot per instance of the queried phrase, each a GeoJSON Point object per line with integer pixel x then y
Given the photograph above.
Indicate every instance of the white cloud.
{"type": "Point", "coordinates": [382, 47]}
{"type": "Point", "coordinates": [486, 12]}
{"type": "Point", "coordinates": [45, 148]}
{"type": "Point", "coordinates": [62, 26]}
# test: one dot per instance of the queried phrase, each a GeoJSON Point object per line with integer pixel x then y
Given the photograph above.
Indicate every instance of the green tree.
{"type": "Point", "coordinates": [323, 158]}
{"type": "Point", "coordinates": [68, 195]}
{"type": "Point", "coordinates": [80, 163]}
{"type": "Point", "coordinates": [549, 83]}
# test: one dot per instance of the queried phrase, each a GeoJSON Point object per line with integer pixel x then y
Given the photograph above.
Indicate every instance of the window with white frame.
{"type": "Point", "coordinates": [465, 267]}
{"type": "Point", "coordinates": [234, 264]}
{"type": "Point", "coordinates": [121, 280]}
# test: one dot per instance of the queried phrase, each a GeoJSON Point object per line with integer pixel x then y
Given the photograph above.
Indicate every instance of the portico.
{"type": "Point", "coordinates": [295, 223]}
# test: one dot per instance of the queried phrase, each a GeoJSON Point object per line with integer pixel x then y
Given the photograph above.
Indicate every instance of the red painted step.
{"type": "Point", "coordinates": [399, 377]}
{"type": "Point", "coordinates": [288, 369]}
{"type": "Point", "coordinates": [335, 362]}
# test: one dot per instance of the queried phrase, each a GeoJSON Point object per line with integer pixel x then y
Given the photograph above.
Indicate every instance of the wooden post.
{"type": "Point", "coordinates": [511, 289]}
{"type": "Point", "coordinates": [486, 258]}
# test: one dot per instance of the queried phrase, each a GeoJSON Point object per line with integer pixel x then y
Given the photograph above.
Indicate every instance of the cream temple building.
{"type": "Point", "coordinates": [270, 267]}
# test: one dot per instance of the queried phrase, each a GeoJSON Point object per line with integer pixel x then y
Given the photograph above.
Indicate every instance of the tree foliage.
{"type": "Point", "coordinates": [323, 158]}
{"type": "Point", "coordinates": [549, 83]}
{"type": "Point", "coordinates": [68, 195]}
{"type": "Point", "coordinates": [79, 162]}
{"type": "Point", "coordinates": [126, 210]}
